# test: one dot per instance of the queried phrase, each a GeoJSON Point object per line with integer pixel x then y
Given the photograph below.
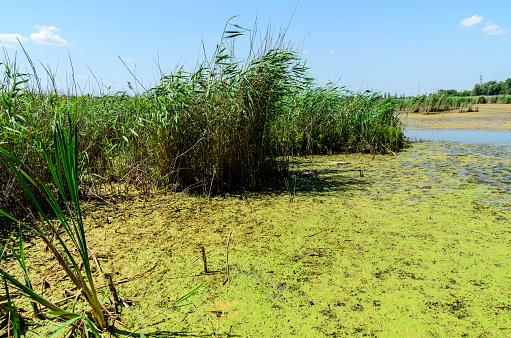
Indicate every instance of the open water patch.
{"type": "Point", "coordinates": [462, 136]}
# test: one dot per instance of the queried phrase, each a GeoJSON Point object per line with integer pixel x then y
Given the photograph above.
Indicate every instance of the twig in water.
{"type": "Point", "coordinates": [126, 280]}
{"type": "Point", "coordinates": [315, 233]}
{"type": "Point", "coordinates": [197, 311]}
{"type": "Point", "coordinates": [204, 259]}
{"type": "Point", "coordinates": [211, 185]}
{"type": "Point", "coordinates": [113, 292]}
{"type": "Point", "coordinates": [196, 259]}
{"type": "Point", "coordinates": [227, 260]}
{"type": "Point", "coordinates": [480, 232]}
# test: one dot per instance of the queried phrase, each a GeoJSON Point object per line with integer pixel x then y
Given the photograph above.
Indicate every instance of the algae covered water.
{"type": "Point", "coordinates": [412, 245]}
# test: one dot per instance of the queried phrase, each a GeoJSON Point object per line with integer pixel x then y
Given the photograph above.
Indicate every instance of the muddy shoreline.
{"type": "Point", "coordinates": [489, 117]}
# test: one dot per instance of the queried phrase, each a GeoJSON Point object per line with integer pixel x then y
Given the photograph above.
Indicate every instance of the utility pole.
{"type": "Point", "coordinates": [481, 79]}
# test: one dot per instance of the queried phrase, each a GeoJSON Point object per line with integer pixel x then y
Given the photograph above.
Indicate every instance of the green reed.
{"type": "Point", "coordinates": [444, 102]}
{"type": "Point", "coordinates": [231, 123]}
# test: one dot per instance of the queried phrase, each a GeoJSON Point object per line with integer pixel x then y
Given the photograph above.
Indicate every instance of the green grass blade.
{"type": "Point", "coordinates": [29, 292]}
{"type": "Point", "coordinates": [186, 296]}
{"type": "Point", "coordinates": [66, 324]}
{"type": "Point", "coordinates": [13, 312]}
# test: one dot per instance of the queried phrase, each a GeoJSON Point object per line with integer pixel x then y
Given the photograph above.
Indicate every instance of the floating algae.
{"type": "Point", "coordinates": [417, 246]}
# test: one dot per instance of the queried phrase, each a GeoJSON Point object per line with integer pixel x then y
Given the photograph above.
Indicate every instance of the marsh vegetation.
{"type": "Point", "coordinates": [275, 194]}
{"type": "Point", "coordinates": [230, 125]}
{"type": "Point", "coordinates": [442, 102]}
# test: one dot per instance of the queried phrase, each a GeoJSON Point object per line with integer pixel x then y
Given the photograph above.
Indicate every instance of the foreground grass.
{"type": "Point", "coordinates": [414, 247]}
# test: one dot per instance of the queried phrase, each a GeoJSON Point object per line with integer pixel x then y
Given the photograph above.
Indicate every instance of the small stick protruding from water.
{"type": "Point", "coordinates": [195, 308]}
{"type": "Point", "coordinates": [204, 259]}
{"type": "Point", "coordinates": [227, 260]}
{"type": "Point", "coordinates": [113, 291]}
{"type": "Point", "coordinates": [361, 172]}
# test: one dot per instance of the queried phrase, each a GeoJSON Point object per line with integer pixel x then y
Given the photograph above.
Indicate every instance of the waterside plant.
{"type": "Point", "coordinates": [232, 123]}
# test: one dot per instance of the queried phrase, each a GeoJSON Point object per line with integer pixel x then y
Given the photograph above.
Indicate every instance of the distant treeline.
{"type": "Point", "coordinates": [489, 88]}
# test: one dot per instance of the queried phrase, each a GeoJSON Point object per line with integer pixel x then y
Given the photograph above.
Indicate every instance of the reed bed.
{"type": "Point", "coordinates": [444, 102]}
{"type": "Point", "coordinates": [331, 119]}
{"type": "Point", "coordinates": [230, 124]}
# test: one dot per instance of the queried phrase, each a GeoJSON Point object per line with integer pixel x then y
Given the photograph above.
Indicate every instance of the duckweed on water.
{"type": "Point", "coordinates": [415, 247]}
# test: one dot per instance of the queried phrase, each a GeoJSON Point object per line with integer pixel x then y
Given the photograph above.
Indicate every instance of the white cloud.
{"type": "Point", "coordinates": [493, 29]}
{"type": "Point", "coordinates": [332, 51]}
{"type": "Point", "coordinates": [305, 52]}
{"type": "Point", "coordinates": [11, 38]}
{"type": "Point", "coordinates": [45, 36]}
{"type": "Point", "coordinates": [82, 77]}
{"type": "Point", "coordinates": [473, 20]}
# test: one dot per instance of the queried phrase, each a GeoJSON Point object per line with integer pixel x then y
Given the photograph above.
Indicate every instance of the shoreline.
{"type": "Point", "coordinates": [489, 117]}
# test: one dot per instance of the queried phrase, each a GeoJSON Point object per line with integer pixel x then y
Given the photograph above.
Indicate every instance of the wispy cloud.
{"type": "Point", "coordinates": [493, 29]}
{"type": "Point", "coordinates": [473, 20]}
{"type": "Point", "coordinates": [332, 51]}
{"type": "Point", "coordinates": [45, 36]}
{"type": "Point", "coordinates": [305, 52]}
{"type": "Point", "coordinates": [82, 77]}
{"type": "Point", "coordinates": [489, 28]}
{"type": "Point", "coordinates": [7, 38]}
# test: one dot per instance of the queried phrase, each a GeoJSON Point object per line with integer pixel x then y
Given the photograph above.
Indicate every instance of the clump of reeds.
{"type": "Point", "coordinates": [331, 119]}
{"type": "Point", "coordinates": [218, 119]}
{"type": "Point", "coordinates": [229, 124]}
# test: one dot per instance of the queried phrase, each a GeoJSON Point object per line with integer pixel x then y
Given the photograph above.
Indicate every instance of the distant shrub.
{"type": "Point", "coordinates": [481, 100]}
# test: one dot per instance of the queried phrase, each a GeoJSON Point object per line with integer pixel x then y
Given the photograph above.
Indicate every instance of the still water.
{"type": "Point", "coordinates": [475, 147]}
{"type": "Point", "coordinates": [462, 136]}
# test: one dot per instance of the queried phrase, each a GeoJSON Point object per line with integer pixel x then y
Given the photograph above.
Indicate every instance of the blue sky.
{"type": "Point", "coordinates": [391, 46]}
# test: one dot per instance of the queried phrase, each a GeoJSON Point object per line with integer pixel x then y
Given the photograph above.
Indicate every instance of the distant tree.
{"type": "Point", "coordinates": [450, 92]}
{"type": "Point", "coordinates": [488, 88]}
{"type": "Point", "coordinates": [492, 88]}
{"type": "Point", "coordinates": [477, 90]}
{"type": "Point", "coordinates": [507, 86]}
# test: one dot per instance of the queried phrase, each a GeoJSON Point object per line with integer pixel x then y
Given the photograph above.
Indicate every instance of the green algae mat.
{"type": "Point", "coordinates": [416, 245]}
